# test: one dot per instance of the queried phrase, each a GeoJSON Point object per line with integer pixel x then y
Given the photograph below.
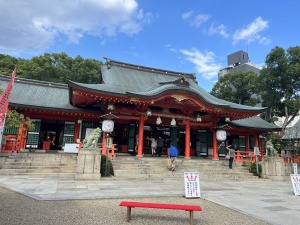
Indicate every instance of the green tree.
{"type": "Point", "coordinates": [238, 87]}
{"type": "Point", "coordinates": [14, 119]}
{"type": "Point", "coordinates": [279, 83]}
{"type": "Point", "coordinates": [7, 64]}
{"type": "Point", "coordinates": [59, 68]}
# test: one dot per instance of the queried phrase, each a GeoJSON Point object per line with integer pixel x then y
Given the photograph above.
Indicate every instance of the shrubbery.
{"type": "Point", "coordinates": [104, 167]}
{"type": "Point", "coordinates": [252, 169]}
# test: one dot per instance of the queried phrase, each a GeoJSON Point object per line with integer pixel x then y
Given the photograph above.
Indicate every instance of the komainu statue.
{"type": "Point", "coordinates": [271, 151]}
{"type": "Point", "coordinates": [92, 140]}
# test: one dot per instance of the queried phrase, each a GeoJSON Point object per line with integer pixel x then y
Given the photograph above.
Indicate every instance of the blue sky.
{"type": "Point", "coordinates": [191, 36]}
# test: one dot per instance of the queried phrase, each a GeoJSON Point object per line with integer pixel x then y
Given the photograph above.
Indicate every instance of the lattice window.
{"type": "Point", "coordinates": [251, 141]}
{"type": "Point", "coordinates": [32, 139]}
{"type": "Point", "coordinates": [11, 130]}
{"type": "Point", "coordinates": [242, 143]}
{"type": "Point", "coordinates": [68, 139]}
{"type": "Point", "coordinates": [69, 129]}
{"type": "Point", "coordinates": [37, 127]}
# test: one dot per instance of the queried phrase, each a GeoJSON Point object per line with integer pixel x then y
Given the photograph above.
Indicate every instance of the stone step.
{"type": "Point", "coordinates": [162, 166]}
{"type": "Point", "coordinates": [178, 170]}
{"type": "Point", "coordinates": [155, 168]}
{"type": "Point", "coordinates": [41, 158]}
{"type": "Point", "coordinates": [71, 174]}
{"type": "Point", "coordinates": [42, 155]}
{"type": "Point", "coordinates": [30, 171]}
{"type": "Point", "coordinates": [38, 166]}
{"type": "Point", "coordinates": [37, 163]}
{"type": "Point", "coordinates": [176, 176]}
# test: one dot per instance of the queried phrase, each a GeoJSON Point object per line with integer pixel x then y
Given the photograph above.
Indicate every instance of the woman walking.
{"type": "Point", "coordinates": [230, 152]}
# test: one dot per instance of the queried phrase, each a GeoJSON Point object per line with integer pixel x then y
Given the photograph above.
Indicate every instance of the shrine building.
{"type": "Point", "coordinates": [142, 102]}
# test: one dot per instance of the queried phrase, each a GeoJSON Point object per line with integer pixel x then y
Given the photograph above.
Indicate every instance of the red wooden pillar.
{"type": "Point", "coordinates": [187, 139]}
{"type": "Point", "coordinates": [22, 135]}
{"type": "Point", "coordinates": [103, 143]}
{"type": "Point", "coordinates": [141, 136]}
{"type": "Point", "coordinates": [215, 146]}
{"type": "Point", "coordinates": [76, 132]}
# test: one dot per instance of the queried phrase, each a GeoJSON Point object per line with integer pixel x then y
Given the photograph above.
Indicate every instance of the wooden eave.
{"type": "Point", "coordinates": [187, 103]}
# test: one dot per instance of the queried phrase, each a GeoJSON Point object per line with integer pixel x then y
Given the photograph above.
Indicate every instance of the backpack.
{"type": "Point", "coordinates": [173, 151]}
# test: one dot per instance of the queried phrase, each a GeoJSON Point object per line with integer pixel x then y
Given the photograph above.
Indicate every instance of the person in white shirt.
{"type": "Point", "coordinates": [153, 145]}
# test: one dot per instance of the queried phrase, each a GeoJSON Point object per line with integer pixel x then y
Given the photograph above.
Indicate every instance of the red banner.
{"type": "Point", "coordinates": [4, 100]}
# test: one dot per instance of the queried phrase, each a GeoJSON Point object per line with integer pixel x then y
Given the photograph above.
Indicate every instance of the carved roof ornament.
{"type": "Point", "coordinates": [180, 97]}
{"type": "Point", "coordinates": [109, 116]}
{"type": "Point", "coordinates": [134, 100]}
{"type": "Point", "coordinates": [182, 82]}
{"type": "Point", "coordinates": [179, 82]}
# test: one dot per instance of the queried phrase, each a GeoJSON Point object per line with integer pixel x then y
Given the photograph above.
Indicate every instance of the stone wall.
{"type": "Point", "coordinates": [274, 168]}
{"type": "Point", "coordinates": [88, 164]}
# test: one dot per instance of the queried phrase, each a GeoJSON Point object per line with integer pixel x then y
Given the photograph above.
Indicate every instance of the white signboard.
{"type": "Point", "coordinates": [71, 148]}
{"type": "Point", "coordinates": [295, 168]}
{"type": "Point", "coordinates": [192, 185]}
{"type": "Point", "coordinates": [295, 178]}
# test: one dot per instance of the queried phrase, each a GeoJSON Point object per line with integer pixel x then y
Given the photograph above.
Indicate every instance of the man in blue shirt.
{"type": "Point", "coordinates": [173, 154]}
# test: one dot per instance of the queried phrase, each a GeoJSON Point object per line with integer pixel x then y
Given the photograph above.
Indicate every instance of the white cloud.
{"type": "Point", "coordinates": [186, 15]}
{"type": "Point", "coordinates": [205, 63]}
{"type": "Point", "coordinates": [221, 29]}
{"type": "Point", "coordinates": [265, 41]}
{"type": "Point", "coordinates": [171, 48]}
{"type": "Point", "coordinates": [200, 19]}
{"type": "Point", "coordinates": [31, 26]}
{"type": "Point", "coordinates": [197, 20]}
{"type": "Point", "coordinates": [252, 32]}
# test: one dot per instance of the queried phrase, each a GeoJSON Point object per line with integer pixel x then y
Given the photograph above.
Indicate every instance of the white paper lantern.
{"type": "Point", "coordinates": [107, 126]}
{"type": "Point", "coordinates": [221, 135]}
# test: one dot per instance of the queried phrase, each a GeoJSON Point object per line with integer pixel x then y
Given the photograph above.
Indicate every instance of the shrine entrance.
{"type": "Point", "coordinates": [51, 130]}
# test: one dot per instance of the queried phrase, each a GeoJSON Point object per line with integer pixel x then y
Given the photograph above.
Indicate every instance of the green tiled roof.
{"type": "Point", "coordinates": [132, 80]}
{"type": "Point", "coordinates": [38, 94]}
{"type": "Point", "coordinates": [255, 123]}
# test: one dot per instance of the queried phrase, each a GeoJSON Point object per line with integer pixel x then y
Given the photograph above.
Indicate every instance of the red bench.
{"type": "Point", "coordinates": [190, 208]}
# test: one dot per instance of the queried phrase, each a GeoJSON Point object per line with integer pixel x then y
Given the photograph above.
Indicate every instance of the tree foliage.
{"type": "Point", "coordinates": [238, 87]}
{"type": "Point", "coordinates": [279, 83]}
{"type": "Point", "coordinates": [14, 119]}
{"type": "Point", "coordinates": [55, 67]}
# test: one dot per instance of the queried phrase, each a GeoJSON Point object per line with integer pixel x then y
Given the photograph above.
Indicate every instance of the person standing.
{"type": "Point", "coordinates": [198, 147]}
{"type": "Point", "coordinates": [173, 154]}
{"type": "Point", "coordinates": [136, 144]}
{"type": "Point", "coordinates": [231, 152]}
{"type": "Point", "coordinates": [153, 145]}
{"type": "Point", "coordinates": [160, 144]}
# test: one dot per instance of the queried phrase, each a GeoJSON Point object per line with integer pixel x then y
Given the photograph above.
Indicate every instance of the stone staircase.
{"type": "Point", "coordinates": [39, 163]}
{"type": "Point", "coordinates": [154, 168]}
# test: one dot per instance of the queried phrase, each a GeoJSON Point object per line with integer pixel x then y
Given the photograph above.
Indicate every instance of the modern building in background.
{"type": "Point", "coordinates": [238, 61]}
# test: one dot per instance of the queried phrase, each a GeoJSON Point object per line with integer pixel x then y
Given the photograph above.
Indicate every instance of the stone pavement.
{"type": "Point", "coordinates": [271, 201]}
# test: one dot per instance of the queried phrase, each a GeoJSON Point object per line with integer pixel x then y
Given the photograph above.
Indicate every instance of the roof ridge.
{"type": "Point", "coordinates": [35, 82]}
{"type": "Point", "coordinates": [149, 69]}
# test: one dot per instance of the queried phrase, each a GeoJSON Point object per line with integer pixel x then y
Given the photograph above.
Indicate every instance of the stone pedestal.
{"type": "Point", "coordinates": [273, 168]}
{"type": "Point", "coordinates": [88, 164]}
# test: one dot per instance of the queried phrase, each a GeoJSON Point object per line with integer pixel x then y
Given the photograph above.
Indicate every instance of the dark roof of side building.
{"type": "Point", "coordinates": [256, 123]}
{"type": "Point", "coordinates": [39, 94]}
